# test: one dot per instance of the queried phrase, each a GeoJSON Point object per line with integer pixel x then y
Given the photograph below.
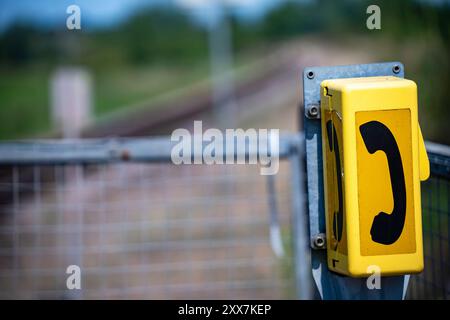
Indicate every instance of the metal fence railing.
{"type": "Point", "coordinates": [141, 227]}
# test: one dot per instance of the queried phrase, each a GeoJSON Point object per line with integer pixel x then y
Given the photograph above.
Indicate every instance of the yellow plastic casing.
{"type": "Point", "coordinates": [374, 158]}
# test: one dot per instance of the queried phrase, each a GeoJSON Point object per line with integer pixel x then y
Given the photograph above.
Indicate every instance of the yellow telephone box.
{"type": "Point", "coordinates": [374, 158]}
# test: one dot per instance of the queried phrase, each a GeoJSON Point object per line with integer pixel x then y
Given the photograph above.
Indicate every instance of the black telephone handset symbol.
{"type": "Point", "coordinates": [387, 228]}
{"type": "Point", "coordinates": [338, 217]}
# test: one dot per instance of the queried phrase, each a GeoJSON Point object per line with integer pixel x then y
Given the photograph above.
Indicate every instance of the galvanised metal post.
{"type": "Point", "coordinates": [300, 230]}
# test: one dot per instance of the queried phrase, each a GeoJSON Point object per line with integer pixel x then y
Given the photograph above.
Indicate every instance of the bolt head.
{"type": "Point", "coordinates": [396, 69]}
{"type": "Point", "coordinates": [319, 241]}
{"type": "Point", "coordinates": [313, 111]}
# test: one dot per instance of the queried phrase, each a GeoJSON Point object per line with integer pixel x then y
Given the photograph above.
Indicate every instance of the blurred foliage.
{"type": "Point", "coordinates": [159, 35]}
{"type": "Point", "coordinates": [412, 31]}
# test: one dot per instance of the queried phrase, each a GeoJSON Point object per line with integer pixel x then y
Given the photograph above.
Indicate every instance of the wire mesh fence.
{"type": "Point", "coordinates": [434, 281]}
{"type": "Point", "coordinates": [145, 230]}
{"type": "Point", "coordinates": [141, 227]}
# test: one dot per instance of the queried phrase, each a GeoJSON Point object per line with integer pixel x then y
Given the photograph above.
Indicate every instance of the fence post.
{"type": "Point", "coordinates": [70, 101]}
{"type": "Point", "coordinates": [302, 258]}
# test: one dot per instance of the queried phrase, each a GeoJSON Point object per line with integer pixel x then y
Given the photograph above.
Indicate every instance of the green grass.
{"type": "Point", "coordinates": [118, 88]}
{"type": "Point", "coordinates": [25, 94]}
{"type": "Point", "coordinates": [24, 108]}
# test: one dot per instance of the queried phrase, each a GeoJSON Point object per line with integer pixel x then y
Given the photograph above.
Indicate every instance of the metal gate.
{"type": "Point", "coordinates": [140, 227]}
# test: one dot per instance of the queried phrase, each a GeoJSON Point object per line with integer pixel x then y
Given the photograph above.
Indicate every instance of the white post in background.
{"type": "Point", "coordinates": [71, 101]}
{"type": "Point", "coordinates": [71, 111]}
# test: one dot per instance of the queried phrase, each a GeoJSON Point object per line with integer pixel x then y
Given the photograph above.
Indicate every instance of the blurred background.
{"type": "Point", "coordinates": [143, 67]}
{"type": "Point", "coordinates": [141, 52]}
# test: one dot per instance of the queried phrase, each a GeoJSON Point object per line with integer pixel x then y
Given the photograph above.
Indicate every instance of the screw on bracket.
{"type": "Point", "coordinates": [396, 69]}
{"type": "Point", "coordinates": [318, 241]}
{"type": "Point", "coordinates": [313, 111]}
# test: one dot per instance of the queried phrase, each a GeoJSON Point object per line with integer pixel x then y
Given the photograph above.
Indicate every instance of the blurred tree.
{"type": "Point", "coordinates": [16, 44]}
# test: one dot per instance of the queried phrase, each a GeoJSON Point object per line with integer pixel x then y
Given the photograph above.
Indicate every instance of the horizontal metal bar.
{"type": "Point", "coordinates": [149, 149]}
{"type": "Point", "coordinates": [208, 265]}
{"type": "Point", "coordinates": [439, 156]}
{"type": "Point", "coordinates": [145, 246]}
{"type": "Point", "coordinates": [439, 149]}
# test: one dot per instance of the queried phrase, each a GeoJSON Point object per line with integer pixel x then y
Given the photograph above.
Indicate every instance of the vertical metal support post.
{"type": "Point", "coordinates": [303, 280]}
